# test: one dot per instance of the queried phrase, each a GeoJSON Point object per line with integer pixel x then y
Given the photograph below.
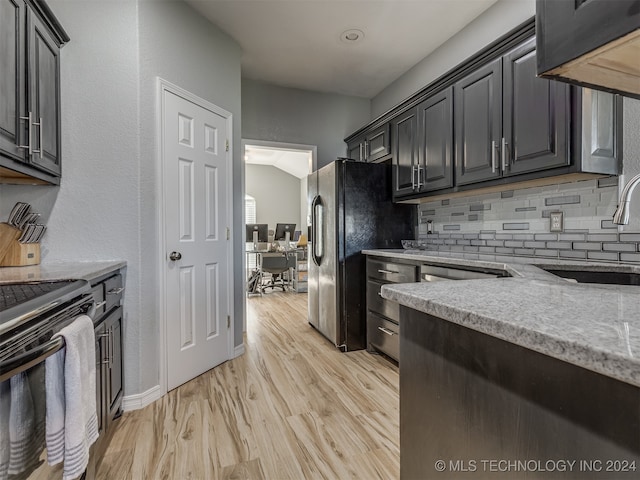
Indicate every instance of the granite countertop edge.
{"type": "Point", "coordinates": [575, 340]}
{"type": "Point", "coordinates": [88, 270]}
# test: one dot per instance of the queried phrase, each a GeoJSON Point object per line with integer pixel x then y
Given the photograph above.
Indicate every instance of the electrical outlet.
{"type": "Point", "coordinates": [556, 222]}
{"type": "Point", "coordinates": [429, 226]}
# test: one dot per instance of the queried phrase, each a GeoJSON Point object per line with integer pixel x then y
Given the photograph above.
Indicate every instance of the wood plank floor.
{"type": "Point", "coordinates": [291, 407]}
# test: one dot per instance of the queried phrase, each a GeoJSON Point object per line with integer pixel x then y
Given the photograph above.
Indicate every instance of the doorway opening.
{"type": "Point", "coordinates": [275, 193]}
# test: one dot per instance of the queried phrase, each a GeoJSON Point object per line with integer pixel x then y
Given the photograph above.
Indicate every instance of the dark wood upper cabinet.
{"type": "Point", "coordinates": [12, 86]}
{"type": "Point", "coordinates": [435, 141]}
{"type": "Point", "coordinates": [535, 116]}
{"type": "Point", "coordinates": [593, 43]}
{"type": "Point", "coordinates": [354, 150]}
{"type": "Point", "coordinates": [44, 94]}
{"type": "Point", "coordinates": [404, 129]}
{"type": "Point", "coordinates": [492, 123]}
{"type": "Point", "coordinates": [478, 124]}
{"type": "Point", "coordinates": [372, 146]}
{"type": "Point", "coordinates": [508, 121]}
{"type": "Point", "coordinates": [31, 39]}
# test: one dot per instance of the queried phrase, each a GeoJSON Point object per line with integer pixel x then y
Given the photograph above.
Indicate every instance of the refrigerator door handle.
{"type": "Point", "coordinates": [319, 245]}
{"type": "Point", "coordinates": [316, 221]}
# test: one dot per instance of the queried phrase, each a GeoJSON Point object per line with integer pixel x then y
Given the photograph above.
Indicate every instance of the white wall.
{"type": "Point", "coordinates": [277, 194]}
{"type": "Point", "coordinates": [178, 45]}
{"type": "Point", "coordinates": [106, 206]}
{"type": "Point", "coordinates": [279, 114]}
{"type": "Point", "coordinates": [499, 19]}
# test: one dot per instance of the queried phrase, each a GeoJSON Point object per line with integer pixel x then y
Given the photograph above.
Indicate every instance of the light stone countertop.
{"type": "Point", "coordinates": [59, 271]}
{"type": "Point", "coordinates": [593, 326]}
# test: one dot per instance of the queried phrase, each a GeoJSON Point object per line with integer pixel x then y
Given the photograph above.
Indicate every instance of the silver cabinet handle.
{"type": "Point", "coordinates": [105, 361]}
{"type": "Point", "coordinates": [505, 160]}
{"type": "Point", "coordinates": [39, 125]}
{"type": "Point", "coordinates": [387, 331]}
{"type": "Point", "coordinates": [28, 145]}
{"type": "Point", "coordinates": [101, 304]}
{"type": "Point", "coordinates": [389, 272]}
{"type": "Point", "coordinates": [110, 343]}
{"type": "Point", "coordinates": [420, 184]}
{"type": "Point", "coordinates": [493, 156]}
{"type": "Point", "coordinates": [366, 148]}
{"type": "Point", "coordinates": [115, 291]}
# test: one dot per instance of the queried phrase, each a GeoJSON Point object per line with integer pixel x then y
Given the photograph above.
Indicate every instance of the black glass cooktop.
{"type": "Point", "coordinates": [17, 293]}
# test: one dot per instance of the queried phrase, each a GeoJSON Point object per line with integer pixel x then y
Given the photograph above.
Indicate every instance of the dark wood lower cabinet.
{"type": "Point", "coordinates": [473, 406]}
{"type": "Point", "coordinates": [109, 366]}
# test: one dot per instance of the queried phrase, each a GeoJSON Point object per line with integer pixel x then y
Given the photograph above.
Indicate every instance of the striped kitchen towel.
{"type": "Point", "coordinates": [72, 422]}
{"type": "Point", "coordinates": [22, 422]}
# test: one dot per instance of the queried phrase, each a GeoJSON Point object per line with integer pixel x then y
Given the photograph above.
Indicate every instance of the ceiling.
{"type": "Point", "coordinates": [294, 162]}
{"type": "Point", "coordinates": [297, 43]}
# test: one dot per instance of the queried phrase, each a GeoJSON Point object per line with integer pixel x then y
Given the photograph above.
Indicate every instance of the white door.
{"type": "Point", "coordinates": [196, 209]}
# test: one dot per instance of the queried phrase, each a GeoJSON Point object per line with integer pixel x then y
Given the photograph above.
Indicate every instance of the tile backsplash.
{"type": "Point", "coordinates": [516, 222]}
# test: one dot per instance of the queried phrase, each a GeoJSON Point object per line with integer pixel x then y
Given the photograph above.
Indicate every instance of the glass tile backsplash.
{"type": "Point", "coordinates": [516, 222]}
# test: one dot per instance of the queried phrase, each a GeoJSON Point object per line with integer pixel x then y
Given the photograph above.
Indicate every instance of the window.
{"type": "Point", "coordinates": [249, 209]}
{"type": "Point", "coordinates": [250, 217]}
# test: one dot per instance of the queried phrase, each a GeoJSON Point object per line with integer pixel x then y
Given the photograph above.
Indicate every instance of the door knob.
{"type": "Point", "coordinates": [173, 256]}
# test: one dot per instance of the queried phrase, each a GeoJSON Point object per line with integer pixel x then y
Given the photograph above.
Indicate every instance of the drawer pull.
{"type": "Point", "coordinates": [115, 291]}
{"type": "Point", "coordinates": [101, 304]}
{"type": "Point", "coordinates": [387, 331]}
{"type": "Point", "coordinates": [388, 272]}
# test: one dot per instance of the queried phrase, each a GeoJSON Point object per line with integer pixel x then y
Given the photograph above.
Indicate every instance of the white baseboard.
{"type": "Point", "coordinates": [238, 350]}
{"type": "Point", "coordinates": [141, 400]}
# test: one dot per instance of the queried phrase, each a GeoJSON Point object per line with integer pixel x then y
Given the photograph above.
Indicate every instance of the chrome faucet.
{"type": "Point", "coordinates": [621, 217]}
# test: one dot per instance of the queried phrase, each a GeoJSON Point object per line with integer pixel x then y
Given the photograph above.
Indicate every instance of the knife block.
{"type": "Point", "coordinates": [14, 253]}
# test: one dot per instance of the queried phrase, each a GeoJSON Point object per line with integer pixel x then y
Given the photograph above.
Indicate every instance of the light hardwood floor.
{"type": "Point", "coordinates": [291, 407]}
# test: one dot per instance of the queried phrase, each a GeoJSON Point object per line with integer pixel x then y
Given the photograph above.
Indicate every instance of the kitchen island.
{"type": "Point", "coordinates": [528, 376]}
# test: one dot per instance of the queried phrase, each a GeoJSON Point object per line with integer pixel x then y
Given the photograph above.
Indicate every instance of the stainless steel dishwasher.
{"type": "Point", "coordinates": [433, 273]}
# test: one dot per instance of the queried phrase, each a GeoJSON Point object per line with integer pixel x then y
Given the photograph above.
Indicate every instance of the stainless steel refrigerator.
{"type": "Point", "coordinates": [351, 209]}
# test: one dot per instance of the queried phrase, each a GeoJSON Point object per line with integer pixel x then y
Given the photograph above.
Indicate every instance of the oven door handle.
{"type": "Point", "coordinates": [23, 362]}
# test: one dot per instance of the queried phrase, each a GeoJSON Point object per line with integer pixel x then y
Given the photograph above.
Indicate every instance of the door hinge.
{"type": "Point", "coordinates": [228, 233]}
{"type": "Point", "coordinates": [227, 145]}
{"type": "Point", "coordinates": [228, 321]}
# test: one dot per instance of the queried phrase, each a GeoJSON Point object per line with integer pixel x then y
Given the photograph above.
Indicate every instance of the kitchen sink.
{"type": "Point", "coordinates": [594, 276]}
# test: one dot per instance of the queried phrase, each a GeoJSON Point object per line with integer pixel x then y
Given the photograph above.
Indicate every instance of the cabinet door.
{"type": "Point", "coordinates": [405, 155]}
{"type": "Point", "coordinates": [101, 357]}
{"type": "Point", "coordinates": [12, 94]}
{"type": "Point", "coordinates": [44, 94]}
{"type": "Point", "coordinates": [478, 124]}
{"type": "Point", "coordinates": [535, 115]}
{"type": "Point", "coordinates": [114, 327]}
{"type": "Point", "coordinates": [355, 150]}
{"type": "Point", "coordinates": [377, 143]}
{"type": "Point", "coordinates": [435, 141]}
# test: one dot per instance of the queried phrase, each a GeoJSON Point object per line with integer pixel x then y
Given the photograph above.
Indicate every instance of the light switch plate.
{"type": "Point", "coordinates": [556, 222]}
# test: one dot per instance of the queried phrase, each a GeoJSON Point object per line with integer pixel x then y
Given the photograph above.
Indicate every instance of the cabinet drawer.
{"type": "Point", "coordinates": [380, 305]}
{"type": "Point", "coordinates": [383, 335]}
{"type": "Point", "coordinates": [391, 272]}
{"type": "Point", "coordinates": [98, 297]}
{"type": "Point", "coordinates": [113, 291]}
